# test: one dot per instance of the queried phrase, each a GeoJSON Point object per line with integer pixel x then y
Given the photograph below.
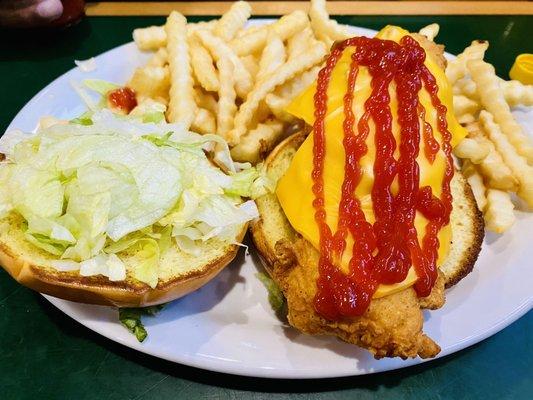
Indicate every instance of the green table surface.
{"type": "Point", "coordinates": [46, 355]}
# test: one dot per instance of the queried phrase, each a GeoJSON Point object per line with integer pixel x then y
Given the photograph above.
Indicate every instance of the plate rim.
{"type": "Point", "coordinates": [216, 365]}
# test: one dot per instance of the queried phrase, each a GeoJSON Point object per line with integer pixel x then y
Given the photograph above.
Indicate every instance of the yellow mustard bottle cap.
{"type": "Point", "coordinates": [522, 69]}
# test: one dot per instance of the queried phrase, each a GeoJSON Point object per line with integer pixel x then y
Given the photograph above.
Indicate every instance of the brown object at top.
{"type": "Point", "coordinates": [334, 7]}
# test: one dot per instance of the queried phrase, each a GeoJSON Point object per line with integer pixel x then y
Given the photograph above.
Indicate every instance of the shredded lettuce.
{"type": "Point", "coordinates": [100, 86]}
{"type": "Point", "coordinates": [9, 140]}
{"type": "Point", "coordinates": [90, 192]}
{"type": "Point", "coordinates": [155, 117]}
{"type": "Point", "coordinates": [45, 244]}
{"type": "Point", "coordinates": [146, 269]}
{"type": "Point", "coordinates": [83, 119]}
{"type": "Point", "coordinates": [148, 111]}
{"type": "Point", "coordinates": [251, 182]}
{"type": "Point", "coordinates": [165, 239]}
{"type": "Point", "coordinates": [84, 96]}
{"type": "Point", "coordinates": [66, 265]}
{"type": "Point", "coordinates": [131, 319]}
{"type": "Point", "coordinates": [108, 265]}
{"type": "Point", "coordinates": [97, 85]}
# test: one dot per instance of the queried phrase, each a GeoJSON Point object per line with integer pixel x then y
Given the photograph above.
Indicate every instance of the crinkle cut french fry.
{"type": "Point", "coordinates": [325, 28]}
{"type": "Point", "coordinates": [250, 43]}
{"type": "Point", "coordinates": [233, 20]}
{"type": "Point", "coordinates": [277, 105]}
{"type": "Point", "coordinates": [256, 144]}
{"type": "Point", "coordinates": [205, 100]}
{"type": "Point", "coordinates": [204, 122]}
{"type": "Point", "coordinates": [285, 27]}
{"type": "Point", "coordinates": [518, 164]}
{"type": "Point", "coordinates": [496, 204]}
{"type": "Point", "coordinates": [282, 75]}
{"type": "Point", "coordinates": [457, 68]}
{"type": "Point", "coordinates": [430, 31]}
{"type": "Point", "coordinates": [181, 106]}
{"type": "Point", "coordinates": [272, 58]}
{"type": "Point", "coordinates": [466, 119]}
{"type": "Point", "coordinates": [493, 101]}
{"type": "Point", "coordinates": [471, 149]}
{"type": "Point", "coordinates": [151, 82]}
{"type": "Point", "coordinates": [150, 38]}
{"type": "Point", "coordinates": [159, 59]}
{"type": "Point", "coordinates": [299, 42]}
{"type": "Point", "coordinates": [261, 114]}
{"type": "Point", "coordinates": [289, 24]}
{"type": "Point", "coordinates": [203, 25]}
{"type": "Point", "coordinates": [202, 65]}
{"type": "Point", "coordinates": [218, 49]}
{"type": "Point", "coordinates": [466, 87]}
{"type": "Point", "coordinates": [252, 29]}
{"type": "Point", "coordinates": [287, 92]}
{"type": "Point", "coordinates": [463, 105]}
{"type": "Point", "coordinates": [298, 84]}
{"type": "Point", "coordinates": [475, 180]}
{"type": "Point", "coordinates": [516, 93]}
{"type": "Point", "coordinates": [252, 65]}
{"type": "Point", "coordinates": [155, 37]}
{"type": "Point", "coordinates": [499, 215]}
{"type": "Point", "coordinates": [496, 173]}
{"type": "Point", "coordinates": [226, 100]}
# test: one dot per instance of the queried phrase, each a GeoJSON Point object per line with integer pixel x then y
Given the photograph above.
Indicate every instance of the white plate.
{"type": "Point", "coordinates": [228, 325]}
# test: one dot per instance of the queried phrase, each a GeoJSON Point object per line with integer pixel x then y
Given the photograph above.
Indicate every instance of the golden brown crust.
{"type": "Point", "coordinates": [392, 326]}
{"type": "Point", "coordinates": [436, 298]}
{"type": "Point", "coordinates": [99, 290]}
{"type": "Point", "coordinates": [436, 51]}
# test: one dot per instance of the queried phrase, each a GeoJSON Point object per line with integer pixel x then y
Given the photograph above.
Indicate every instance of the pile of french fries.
{"type": "Point", "coordinates": [497, 154]}
{"type": "Point", "coordinates": [235, 80]}
{"type": "Point", "coordinates": [225, 78]}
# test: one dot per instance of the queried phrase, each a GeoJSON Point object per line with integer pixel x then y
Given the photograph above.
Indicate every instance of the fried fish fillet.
{"type": "Point", "coordinates": [392, 325]}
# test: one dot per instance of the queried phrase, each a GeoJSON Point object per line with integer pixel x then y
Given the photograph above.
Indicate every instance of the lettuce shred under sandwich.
{"type": "Point", "coordinates": [130, 318]}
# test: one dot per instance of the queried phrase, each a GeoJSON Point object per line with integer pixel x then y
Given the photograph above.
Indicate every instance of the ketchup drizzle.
{"type": "Point", "coordinates": [383, 252]}
{"type": "Point", "coordinates": [122, 98]}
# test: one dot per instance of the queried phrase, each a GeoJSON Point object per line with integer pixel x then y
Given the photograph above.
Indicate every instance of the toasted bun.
{"type": "Point", "coordinates": [466, 219]}
{"type": "Point", "coordinates": [179, 273]}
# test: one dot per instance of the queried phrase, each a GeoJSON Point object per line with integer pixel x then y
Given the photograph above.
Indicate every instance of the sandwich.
{"type": "Point", "coordinates": [370, 220]}
{"type": "Point", "coordinates": [104, 209]}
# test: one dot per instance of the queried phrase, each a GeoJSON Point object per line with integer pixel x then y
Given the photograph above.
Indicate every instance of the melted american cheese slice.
{"type": "Point", "coordinates": [294, 188]}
